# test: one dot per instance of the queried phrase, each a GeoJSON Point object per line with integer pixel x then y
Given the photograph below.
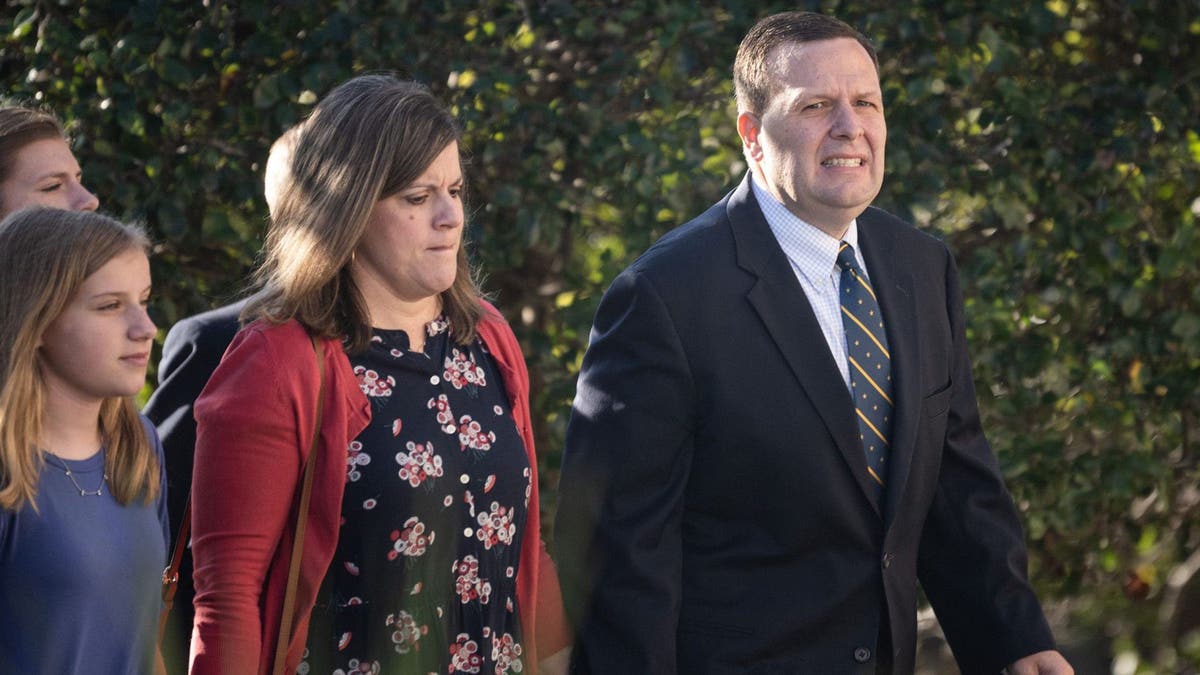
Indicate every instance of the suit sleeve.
{"type": "Point", "coordinates": [972, 560]}
{"type": "Point", "coordinates": [625, 469]}
{"type": "Point", "coordinates": [248, 463]}
{"type": "Point", "coordinates": [190, 354]}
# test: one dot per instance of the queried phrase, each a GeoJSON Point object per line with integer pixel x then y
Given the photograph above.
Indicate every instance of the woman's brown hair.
{"type": "Point", "coordinates": [368, 139]}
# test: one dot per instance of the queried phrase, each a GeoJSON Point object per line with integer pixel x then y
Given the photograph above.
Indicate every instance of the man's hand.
{"type": "Point", "coordinates": [1042, 663]}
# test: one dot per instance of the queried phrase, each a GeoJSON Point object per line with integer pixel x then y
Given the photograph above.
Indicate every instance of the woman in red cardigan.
{"type": "Point", "coordinates": [422, 552]}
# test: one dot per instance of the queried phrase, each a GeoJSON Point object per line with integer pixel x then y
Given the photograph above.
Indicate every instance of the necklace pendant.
{"type": "Point", "coordinates": [99, 491]}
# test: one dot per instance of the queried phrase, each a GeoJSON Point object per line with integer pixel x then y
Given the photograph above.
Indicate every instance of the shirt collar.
{"type": "Point", "coordinates": [810, 250]}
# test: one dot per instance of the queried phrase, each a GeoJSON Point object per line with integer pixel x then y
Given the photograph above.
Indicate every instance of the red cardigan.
{"type": "Point", "coordinates": [254, 426]}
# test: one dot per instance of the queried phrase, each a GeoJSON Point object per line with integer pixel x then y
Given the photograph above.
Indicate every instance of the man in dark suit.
{"type": "Point", "coordinates": [191, 351]}
{"type": "Point", "coordinates": [775, 434]}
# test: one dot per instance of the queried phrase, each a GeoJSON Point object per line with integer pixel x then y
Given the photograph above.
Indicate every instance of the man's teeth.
{"type": "Point", "coordinates": [842, 162]}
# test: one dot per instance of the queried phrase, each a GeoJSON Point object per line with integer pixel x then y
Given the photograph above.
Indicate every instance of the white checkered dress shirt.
{"type": "Point", "coordinates": [813, 255]}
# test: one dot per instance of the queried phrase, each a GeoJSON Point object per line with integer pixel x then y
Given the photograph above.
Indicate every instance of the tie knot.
{"type": "Point", "coordinates": [845, 259]}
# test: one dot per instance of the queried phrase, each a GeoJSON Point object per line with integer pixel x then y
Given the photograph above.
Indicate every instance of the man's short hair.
{"type": "Point", "coordinates": [751, 82]}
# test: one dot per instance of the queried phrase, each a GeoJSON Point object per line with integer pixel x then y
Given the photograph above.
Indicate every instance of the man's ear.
{"type": "Point", "coordinates": [748, 127]}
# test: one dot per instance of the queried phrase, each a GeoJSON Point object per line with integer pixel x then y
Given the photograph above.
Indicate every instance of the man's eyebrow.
{"type": "Point", "coordinates": [57, 174]}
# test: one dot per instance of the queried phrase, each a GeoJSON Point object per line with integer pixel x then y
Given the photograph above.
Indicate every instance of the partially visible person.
{"type": "Point", "coordinates": [83, 511]}
{"type": "Point", "coordinates": [36, 164]}
{"type": "Point", "coordinates": [422, 551]}
{"type": "Point", "coordinates": [191, 352]}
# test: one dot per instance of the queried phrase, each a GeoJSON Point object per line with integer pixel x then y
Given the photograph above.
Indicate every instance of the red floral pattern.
{"type": "Point", "coordinates": [424, 575]}
{"type": "Point", "coordinates": [495, 527]}
{"type": "Point", "coordinates": [506, 654]}
{"type": "Point", "coordinates": [468, 585]}
{"type": "Point", "coordinates": [471, 435]}
{"type": "Point", "coordinates": [405, 632]}
{"type": "Point", "coordinates": [372, 385]}
{"type": "Point", "coordinates": [419, 464]}
{"type": "Point", "coordinates": [464, 655]}
{"type": "Point", "coordinates": [412, 540]}
{"type": "Point", "coordinates": [357, 667]}
{"type": "Point", "coordinates": [355, 457]}
{"type": "Point", "coordinates": [461, 371]}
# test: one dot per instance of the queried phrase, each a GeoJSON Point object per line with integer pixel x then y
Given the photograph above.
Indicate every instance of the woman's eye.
{"type": "Point", "coordinates": [51, 188]}
{"type": "Point", "coordinates": [417, 200]}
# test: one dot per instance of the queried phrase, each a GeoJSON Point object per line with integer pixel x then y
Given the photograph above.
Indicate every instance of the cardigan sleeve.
{"type": "Point", "coordinates": [247, 466]}
{"type": "Point", "coordinates": [553, 634]}
{"type": "Point", "coordinates": [538, 587]}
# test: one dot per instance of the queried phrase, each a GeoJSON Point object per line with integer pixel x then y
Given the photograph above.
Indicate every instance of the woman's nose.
{"type": "Point", "coordinates": [449, 212]}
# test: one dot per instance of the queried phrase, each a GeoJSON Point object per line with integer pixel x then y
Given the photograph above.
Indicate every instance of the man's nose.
{"type": "Point", "coordinates": [83, 200]}
{"type": "Point", "coordinates": [846, 123]}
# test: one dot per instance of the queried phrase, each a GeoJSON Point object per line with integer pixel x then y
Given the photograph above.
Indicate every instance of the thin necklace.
{"type": "Point", "coordinates": [82, 493]}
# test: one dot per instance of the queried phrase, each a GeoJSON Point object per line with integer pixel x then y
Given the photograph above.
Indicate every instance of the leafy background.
{"type": "Point", "coordinates": [1055, 145]}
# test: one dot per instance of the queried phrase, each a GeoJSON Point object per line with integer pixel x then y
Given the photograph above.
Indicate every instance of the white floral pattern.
{"type": "Point", "coordinates": [372, 385]}
{"type": "Point", "coordinates": [355, 458]}
{"type": "Point", "coordinates": [464, 655]}
{"type": "Point", "coordinates": [471, 435]}
{"type": "Point", "coordinates": [445, 417]}
{"type": "Point", "coordinates": [412, 540]}
{"type": "Point", "coordinates": [506, 654]}
{"type": "Point", "coordinates": [435, 512]}
{"type": "Point", "coordinates": [405, 631]}
{"type": "Point", "coordinates": [462, 371]}
{"type": "Point", "coordinates": [495, 526]}
{"type": "Point", "coordinates": [467, 584]}
{"type": "Point", "coordinates": [358, 667]}
{"type": "Point", "coordinates": [419, 464]}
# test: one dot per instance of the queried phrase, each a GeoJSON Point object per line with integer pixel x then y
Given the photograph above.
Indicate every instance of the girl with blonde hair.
{"type": "Point", "coordinates": [83, 521]}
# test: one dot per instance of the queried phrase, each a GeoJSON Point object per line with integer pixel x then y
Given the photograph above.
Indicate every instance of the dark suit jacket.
{"type": "Point", "coordinates": [191, 352]}
{"type": "Point", "coordinates": [714, 507]}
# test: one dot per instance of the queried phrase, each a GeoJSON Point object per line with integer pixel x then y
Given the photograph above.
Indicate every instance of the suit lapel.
{"type": "Point", "coordinates": [892, 282]}
{"type": "Point", "coordinates": [780, 303]}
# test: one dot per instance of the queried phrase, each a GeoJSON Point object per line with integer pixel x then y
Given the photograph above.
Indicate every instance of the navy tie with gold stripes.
{"type": "Point", "coordinates": [870, 364]}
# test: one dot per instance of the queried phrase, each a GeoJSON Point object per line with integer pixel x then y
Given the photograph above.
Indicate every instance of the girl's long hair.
{"type": "Point", "coordinates": [365, 141]}
{"type": "Point", "coordinates": [45, 256]}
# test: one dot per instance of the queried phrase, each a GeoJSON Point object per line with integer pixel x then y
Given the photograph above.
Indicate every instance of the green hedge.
{"type": "Point", "coordinates": [1054, 145]}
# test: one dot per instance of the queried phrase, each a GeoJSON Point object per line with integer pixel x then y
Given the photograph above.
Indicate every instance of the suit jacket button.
{"type": "Point", "coordinates": [887, 560]}
{"type": "Point", "coordinates": [862, 654]}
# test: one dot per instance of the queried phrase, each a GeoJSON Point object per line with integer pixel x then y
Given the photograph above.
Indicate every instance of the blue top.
{"type": "Point", "coordinates": [80, 579]}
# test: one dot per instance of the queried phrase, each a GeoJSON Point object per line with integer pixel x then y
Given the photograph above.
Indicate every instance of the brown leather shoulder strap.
{"type": "Point", "coordinates": [170, 576]}
{"type": "Point", "coordinates": [289, 597]}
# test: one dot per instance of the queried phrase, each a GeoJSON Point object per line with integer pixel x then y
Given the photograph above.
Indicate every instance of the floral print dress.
{"type": "Point", "coordinates": [424, 579]}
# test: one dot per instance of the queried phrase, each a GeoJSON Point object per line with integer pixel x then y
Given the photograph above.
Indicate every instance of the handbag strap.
{"type": "Point", "coordinates": [170, 575]}
{"type": "Point", "coordinates": [289, 597]}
